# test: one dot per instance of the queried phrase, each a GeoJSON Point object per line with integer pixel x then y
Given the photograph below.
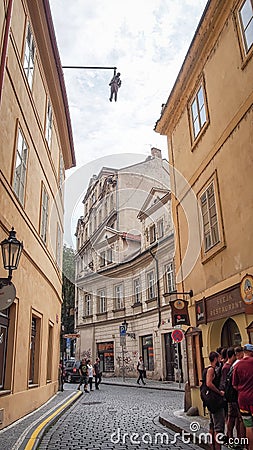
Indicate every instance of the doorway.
{"type": "Point", "coordinates": [230, 334]}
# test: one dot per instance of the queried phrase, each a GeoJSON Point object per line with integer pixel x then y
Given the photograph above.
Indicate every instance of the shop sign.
{"type": "Point", "coordinates": [246, 288]}
{"type": "Point", "coordinates": [71, 336]}
{"type": "Point", "coordinates": [179, 312]}
{"type": "Point", "coordinates": [226, 303]}
{"type": "Point", "coordinates": [200, 310]}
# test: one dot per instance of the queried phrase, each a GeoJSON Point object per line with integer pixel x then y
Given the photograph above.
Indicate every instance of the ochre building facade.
{"type": "Point", "coordinates": [208, 120]}
{"type": "Point", "coordinates": [36, 147]}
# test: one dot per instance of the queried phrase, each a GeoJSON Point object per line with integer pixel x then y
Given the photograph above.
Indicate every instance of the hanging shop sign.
{"type": "Point", "coordinates": [179, 312]}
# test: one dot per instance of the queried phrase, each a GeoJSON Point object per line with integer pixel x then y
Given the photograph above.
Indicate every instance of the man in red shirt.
{"type": "Point", "coordinates": [243, 382]}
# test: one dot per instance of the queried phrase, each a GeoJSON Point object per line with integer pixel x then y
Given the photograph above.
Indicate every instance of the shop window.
{"type": "Point", "coordinates": [34, 350]}
{"type": "Point", "coordinates": [246, 24]}
{"type": "Point", "coordinates": [105, 351]}
{"type": "Point", "coordinates": [148, 352]}
{"type": "Point", "coordinates": [195, 363]}
{"type": "Point", "coordinates": [230, 334]}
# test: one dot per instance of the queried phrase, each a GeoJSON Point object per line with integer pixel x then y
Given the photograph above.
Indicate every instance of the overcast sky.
{"type": "Point", "coordinates": [147, 41]}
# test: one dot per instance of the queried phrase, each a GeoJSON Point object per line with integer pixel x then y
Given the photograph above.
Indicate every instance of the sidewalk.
{"type": "Point", "coordinates": [151, 384]}
{"type": "Point", "coordinates": [26, 433]}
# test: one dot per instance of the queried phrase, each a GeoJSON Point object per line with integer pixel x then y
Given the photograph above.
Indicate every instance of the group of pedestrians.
{"type": "Point", "coordinates": [228, 382]}
{"type": "Point", "coordinates": [87, 371]}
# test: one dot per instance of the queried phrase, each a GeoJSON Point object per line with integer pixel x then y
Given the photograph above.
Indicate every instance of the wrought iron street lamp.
{"type": "Point", "coordinates": [11, 252]}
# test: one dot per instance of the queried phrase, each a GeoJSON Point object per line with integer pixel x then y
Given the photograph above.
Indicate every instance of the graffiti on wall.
{"type": "Point", "coordinates": [86, 354]}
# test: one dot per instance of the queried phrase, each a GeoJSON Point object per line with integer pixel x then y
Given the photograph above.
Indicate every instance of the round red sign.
{"type": "Point", "coordinates": [177, 335]}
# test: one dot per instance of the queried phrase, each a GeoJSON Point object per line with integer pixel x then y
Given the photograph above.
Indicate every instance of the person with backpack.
{"type": "Point", "coordinates": [231, 408]}
{"type": "Point", "coordinates": [212, 398]}
{"type": "Point", "coordinates": [242, 381]}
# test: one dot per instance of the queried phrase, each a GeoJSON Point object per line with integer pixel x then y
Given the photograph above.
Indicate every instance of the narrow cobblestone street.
{"type": "Point", "coordinates": [117, 418]}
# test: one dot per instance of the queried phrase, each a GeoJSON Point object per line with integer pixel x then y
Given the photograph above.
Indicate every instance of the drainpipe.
{"type": "Point", "coordinates": [5, 45]}
{"type": "Point", "coordinates": [158, 288]}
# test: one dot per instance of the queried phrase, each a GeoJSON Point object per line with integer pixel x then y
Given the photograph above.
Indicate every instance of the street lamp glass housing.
{"type": "Point", "coordinates": [11, 251]}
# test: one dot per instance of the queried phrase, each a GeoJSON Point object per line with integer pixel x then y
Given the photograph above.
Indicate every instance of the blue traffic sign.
{"type": "Point", "coordinates": [122, 330]}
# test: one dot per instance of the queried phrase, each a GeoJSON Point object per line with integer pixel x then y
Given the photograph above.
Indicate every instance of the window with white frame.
{"type": "Point", "coordinates": [210, 218]}
{"type": "Point", "coordinates": [61, 173]}
{"type": "Point", "coordinates": [152, 235]}
{"type": "Point", "coordinates": [20, 168]}
{"type": "Point", "coordinates": [29, 56]}
{"type": "Point", "coordinates": [102, 259]}
{"type": "Point", "coordinates": [44, 214]}
{"type": "Point", "coordinates": [151, 284]}
{"type": "Point", "coordinates": [160, 228]}
{"type": "Point", "coordinates": [101, 301]}
{"type": "Point", "coordinates": [137, 290]}
{"type": "Point", "coordinates": [58, 246]}
{"type": "Point", "coordinates": [109, 256]}
{"type": "Point", "coordinates": [170, 277]}
{"type": "Point", "coordinates": [87, 305]}
{"type": "Point", "coordinates": [49, 123]}
{"type": "Point", "coordinates": [246, 23]}
{"type": "Point", "coordinates": [198, 111]}
{"type": "Point", "coordinates": [119, 300]}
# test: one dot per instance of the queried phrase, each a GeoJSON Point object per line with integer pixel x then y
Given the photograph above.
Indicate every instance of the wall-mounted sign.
{"type": "Point", "coordinates": [226, 303]}
{"type": "Point", "coordinates": [177, 335]}
{"type": "Point", "coordinates": [246, 288]}
{"type": "Point", "coordinates": [71, 336]}
{"type": "Point", "coordinates": [179, 312]}
{"type": "Point", "coordinates": [200, 310]}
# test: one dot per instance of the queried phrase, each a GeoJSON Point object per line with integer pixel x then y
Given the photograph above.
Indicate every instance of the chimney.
{"type": "Point", "coordinates": [156, 153]}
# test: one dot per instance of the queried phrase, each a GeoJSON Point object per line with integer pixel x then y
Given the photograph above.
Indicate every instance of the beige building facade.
{"type": "Point", "coordinates": [124, 269]}
{"type": "Point", "coordinates": [36, 147]}
{"type": "Point", "coordinates": [208, 121]}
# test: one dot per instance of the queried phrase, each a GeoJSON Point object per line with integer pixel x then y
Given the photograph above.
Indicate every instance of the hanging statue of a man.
{"type": "Point", "coordinates": [115, 84]}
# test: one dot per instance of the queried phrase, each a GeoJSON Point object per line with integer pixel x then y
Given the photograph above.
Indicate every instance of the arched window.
{"type": "Point", "coordinates": [230, 335]}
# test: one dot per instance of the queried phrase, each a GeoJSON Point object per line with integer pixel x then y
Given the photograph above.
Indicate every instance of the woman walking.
{"type": "Point", "coordinates": [141, 370]}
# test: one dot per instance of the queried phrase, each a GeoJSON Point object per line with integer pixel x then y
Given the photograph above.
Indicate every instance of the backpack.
{"type": "Point", "coordinates": [211, 400]}
{"type": "Point", "coordinates": [231, 394]}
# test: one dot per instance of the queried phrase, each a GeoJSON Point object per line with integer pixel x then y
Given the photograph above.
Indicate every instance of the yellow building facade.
{"type": "Point", "coordinates": [36, 147]}
{"type": "Point", "coordinates": [208, 121]}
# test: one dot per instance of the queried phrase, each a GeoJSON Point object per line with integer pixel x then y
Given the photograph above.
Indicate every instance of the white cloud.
{"type": "Point", "coordinates": [147, 41]}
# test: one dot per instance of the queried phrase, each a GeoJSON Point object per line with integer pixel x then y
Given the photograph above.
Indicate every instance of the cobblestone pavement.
{"type": "Point", "coordinates": [117, 417]}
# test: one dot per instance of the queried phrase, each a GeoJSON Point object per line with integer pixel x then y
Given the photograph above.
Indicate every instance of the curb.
{"type": "Point", "coordinates": [173, 425]}
{"type": "Point", "coordinates": [35, 435]}
{"type": "Point", "coordinates": [148, 386]}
